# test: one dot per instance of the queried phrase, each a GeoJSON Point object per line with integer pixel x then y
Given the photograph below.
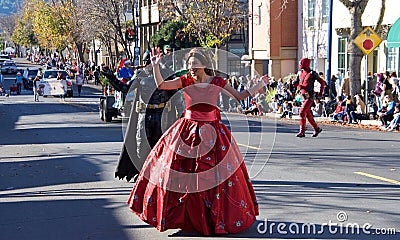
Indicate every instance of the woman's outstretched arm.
{"type": "Point", "coordinates": [246, 93]}
{"type": "Point", "coordinates": [161, 84]}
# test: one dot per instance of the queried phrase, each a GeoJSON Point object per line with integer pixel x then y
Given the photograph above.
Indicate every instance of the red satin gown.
{"type": "Point", "coordinates": [195, 178]}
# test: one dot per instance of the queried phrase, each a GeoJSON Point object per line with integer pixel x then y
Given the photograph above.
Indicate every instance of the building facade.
{"type": "Point", "coordinates": [313, 37]}
{"type": "Point", "coordinates": [273, 31]}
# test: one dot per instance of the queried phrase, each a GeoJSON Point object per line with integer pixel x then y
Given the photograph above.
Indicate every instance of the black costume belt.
{"type": "Point", "coordinates": [140, 106]}
{"type": "Point", "coordinates": [306, 96]}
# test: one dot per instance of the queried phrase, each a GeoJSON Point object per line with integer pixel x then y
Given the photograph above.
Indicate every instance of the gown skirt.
{"type": "Point", "coordinates": [195, 179]}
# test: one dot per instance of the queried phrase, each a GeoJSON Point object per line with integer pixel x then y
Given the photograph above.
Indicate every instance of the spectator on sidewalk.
{"type": "Point", "coordinates": [395, 86]}
{"type": "Point", "coordinates": [2, 91]}
{"type": "Point", "coordinates": [287, 109]}
{"type": "Point", "coordinates": [395, 123]}
{"type": "Point", "coordinates": [79, 78]}
{"type": "Point", "coordinates": [378, 89]}
{"type": "Point", "coordinates": [19, 81]}
{"type": "Point", "coordinates": [340, 110]}
{"type": "Point", "coordinates": [359, 113]}
{"type": "Point", "coordinates": [96, 74]}
{"type": "Point", "coordinates": [387, 86]}
{"type": "Point", "coordinates": [63, 81]}
{"type": "Point", "coordinates": [386, 112]}
{"type": "Point", "coordinates": [350, 106]}
{"type": "Point", "coordinates": [36, 89]}
{"type": "Point", "coordinates": [317, 108]}
{"type": "Point", "coordinates": [345, 87]}
{"type": "Point", "coordinates": [242, 87]}
{"type": "Point", "coordinates": [262, 104]}
{"type": "Point", "coordinates": [369, 85]}
{"type": "Point", "coordinates": [253, 109]}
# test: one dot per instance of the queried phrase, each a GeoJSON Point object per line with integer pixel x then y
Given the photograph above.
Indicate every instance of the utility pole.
{"type": "Point", "coordinates": [329, 55]}
{"type": "Point", "coordinates": [136, 52]}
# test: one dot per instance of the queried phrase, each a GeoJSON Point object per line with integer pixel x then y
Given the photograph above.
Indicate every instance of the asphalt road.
{"type": "Point", "coordinates": [57, 162]}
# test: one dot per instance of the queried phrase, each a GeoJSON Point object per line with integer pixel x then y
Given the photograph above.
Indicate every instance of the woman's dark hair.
{"type": "Point", "coordinates": [203, 60]}
{"type": "Point", "coordinates": [198, 56]}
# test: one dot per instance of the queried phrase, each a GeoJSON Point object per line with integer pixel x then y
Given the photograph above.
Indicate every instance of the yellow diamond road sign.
{"type": "Point", "coordinates": [367, 40]}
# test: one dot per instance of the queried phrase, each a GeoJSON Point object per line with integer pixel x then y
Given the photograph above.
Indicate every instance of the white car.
{"type": "Point", "coordinates": [9, 66]}
{"type": "Point", "coordinates": [52, 86]}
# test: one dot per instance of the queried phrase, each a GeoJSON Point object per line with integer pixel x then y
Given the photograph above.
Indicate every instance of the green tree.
{"type": "Point", "coordinates": [213, 22]}
{"type": "Point", "coordinates": [172, 33]}
{"type": "Point", "coordinates": [23, 34]}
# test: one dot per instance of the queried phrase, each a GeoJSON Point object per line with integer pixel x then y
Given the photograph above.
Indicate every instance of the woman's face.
{"type": "Point", "coordinates": [195, 66]}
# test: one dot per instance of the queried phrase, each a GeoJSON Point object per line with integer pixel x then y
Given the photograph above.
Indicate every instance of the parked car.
{"type": "Point", "coordinates": [9, 66]}
{"type": "Point", "coordinates": [52, 85]}
{"type": "Point", "coordinates": [5, 56]}
{"type": "Point", "coordinates": [28, 76]}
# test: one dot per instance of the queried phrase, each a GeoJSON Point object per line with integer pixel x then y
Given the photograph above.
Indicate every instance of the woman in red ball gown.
{"type": "Point", "coordinates": [195, 178]}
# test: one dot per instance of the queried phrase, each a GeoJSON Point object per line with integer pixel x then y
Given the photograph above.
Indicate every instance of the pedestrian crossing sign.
{"type": "Point", "coordinates": [367, 40]}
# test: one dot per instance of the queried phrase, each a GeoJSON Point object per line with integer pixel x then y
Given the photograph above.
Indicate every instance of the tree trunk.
{"type": "Point", "coordinates": [356, 54]}
{"type": "Point", "coordinates": [79, 48]}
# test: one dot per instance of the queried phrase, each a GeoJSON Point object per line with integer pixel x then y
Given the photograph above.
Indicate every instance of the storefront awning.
{"type": "Point", "coordinates": [393, 39]}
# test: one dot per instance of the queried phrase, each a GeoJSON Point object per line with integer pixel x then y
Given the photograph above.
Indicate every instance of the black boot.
{"type": "Point", "coordinates": [317, 132]}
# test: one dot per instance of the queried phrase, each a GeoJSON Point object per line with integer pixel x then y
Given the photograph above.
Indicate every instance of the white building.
{"type": "Point", "coordinates": [313, 35]}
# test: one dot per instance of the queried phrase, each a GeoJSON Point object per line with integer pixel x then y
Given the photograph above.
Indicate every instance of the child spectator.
{"type": "Point", "coordinates": [317, 108]}
{"type": "Point", "coordinates": [340, 110]}
{"type": "Point", "coordinates": [262, 104]}
{"type": "Point", "coordinates": [386, 112]}
{"type": "Point", "coordinates": [253, 110]}
{"type": "Point", "coordinates": [395, 123]}
{"type": "Point", "coordinates": [287, 109]}
{"type": "Point", "coordinates": [350, 106]}
{"type": "Point", "coordinates": [359, 113]}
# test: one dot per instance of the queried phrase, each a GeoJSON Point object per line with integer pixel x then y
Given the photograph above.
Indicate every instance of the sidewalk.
{"type": "Point", "coordinates": [322, 119]}
{"type": "Point", "coordinates": [365, 124]}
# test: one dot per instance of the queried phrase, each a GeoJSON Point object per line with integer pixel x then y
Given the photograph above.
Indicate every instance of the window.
{"type": "Point", "coordinates": [391, 59]}
{"type": "Point", "coordinates": [343, 55]}
{"type": "Point", "coordinates": [325, 11]}
{"type": "Point", "coordinates": [235, 68]}
{"type": "Point", "coordinates": [311, 13]}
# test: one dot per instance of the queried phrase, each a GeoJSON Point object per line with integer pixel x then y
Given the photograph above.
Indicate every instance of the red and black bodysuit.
{"type": "Point", "coordinates": [305, 83]}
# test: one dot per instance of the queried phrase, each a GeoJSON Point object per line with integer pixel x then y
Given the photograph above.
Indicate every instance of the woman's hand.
{"type": "Point", "coordinates": [155, 56]}
{"type": "Point", "coordinates": [265, 79]}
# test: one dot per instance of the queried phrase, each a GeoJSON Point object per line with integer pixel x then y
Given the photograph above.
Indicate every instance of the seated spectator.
{"type": "Point", "coordinates": [253, 110]}
{"type": "Point", "coordinates": [340, 110]}
{"type": "Point", "coordinates": [350, 106]}
{"type": "Point", "coordinates": [395, 123]}
{"type": "Point", "coordinates": [386, 112]}
{"type": "Point", "coordinates": [359, 113]}
{"type": "Point", "coordinates": [261, 103]}
{"type": "Point", "coordinates": [287, 109]}
{"type": "Point", "coordinates": [317, 108]}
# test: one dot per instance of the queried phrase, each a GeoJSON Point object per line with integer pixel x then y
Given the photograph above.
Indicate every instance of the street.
{"type": "Point", "coordinates": [57, 162]}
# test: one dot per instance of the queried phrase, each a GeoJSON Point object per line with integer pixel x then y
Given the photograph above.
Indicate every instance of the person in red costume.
{"type": "Point", "coordinates": [305, 83]}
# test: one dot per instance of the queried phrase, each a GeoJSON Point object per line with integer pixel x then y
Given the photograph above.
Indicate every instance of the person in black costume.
{"type": "Point", "coordinates": [149, 110]}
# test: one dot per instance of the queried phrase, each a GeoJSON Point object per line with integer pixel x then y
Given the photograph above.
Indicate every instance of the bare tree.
{"type": "Point", "coordinates": [106, 20]}
{"type": "Point", "coordinates": [7, 23]}
{"type": "Point", "coordinates": [356, 9]}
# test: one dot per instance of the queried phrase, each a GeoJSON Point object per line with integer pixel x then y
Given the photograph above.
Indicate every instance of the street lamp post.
{"type": "Point", "coordinates": [329, 54]}
{"type": "Point", "coordinates": [136, 52]}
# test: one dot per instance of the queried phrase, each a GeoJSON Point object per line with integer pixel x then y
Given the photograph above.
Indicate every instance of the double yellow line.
{"type": "Point", "coordinates": [359, 173]}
